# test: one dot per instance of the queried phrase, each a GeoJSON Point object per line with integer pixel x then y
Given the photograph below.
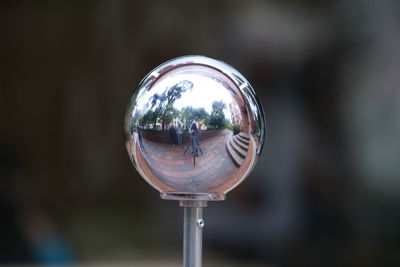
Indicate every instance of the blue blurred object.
{"type": "Point", "coordinates": [50, 249]}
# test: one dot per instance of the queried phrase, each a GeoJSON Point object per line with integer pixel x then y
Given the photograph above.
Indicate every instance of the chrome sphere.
{"type": "Point", "coordinates": [194, 128]}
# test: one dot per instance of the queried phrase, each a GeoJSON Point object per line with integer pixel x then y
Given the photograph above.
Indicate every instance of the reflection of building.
{"type": "Point", "coordinates": [235, 114]}
{"type": "Point", "coordinates": [175, 122]}
{"type": "Point", "coordinates": [202, 125]}
{"type": "Point", "coordinates": [158, 124]}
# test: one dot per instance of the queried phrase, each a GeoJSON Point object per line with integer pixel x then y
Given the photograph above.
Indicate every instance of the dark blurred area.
{"type": "Point", "coordinates": [324, 193]}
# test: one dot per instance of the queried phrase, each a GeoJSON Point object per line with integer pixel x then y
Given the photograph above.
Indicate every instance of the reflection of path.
{"type": "Point", "coordinates": [212, 168]}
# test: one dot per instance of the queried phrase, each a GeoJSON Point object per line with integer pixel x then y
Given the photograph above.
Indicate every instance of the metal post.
{"type": "Point", "coordinates": [193, 224]}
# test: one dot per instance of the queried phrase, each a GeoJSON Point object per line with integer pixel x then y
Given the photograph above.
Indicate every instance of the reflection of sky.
{"type": "Point", "coordinates": [204, 92]}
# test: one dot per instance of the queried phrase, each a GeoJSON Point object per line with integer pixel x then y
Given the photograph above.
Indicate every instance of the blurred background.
{"type": "Point", "coordinates": [324, 193]}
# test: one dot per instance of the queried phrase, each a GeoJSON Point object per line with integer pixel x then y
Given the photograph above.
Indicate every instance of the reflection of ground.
{"type": "Point", "coordinates": [212, 168]}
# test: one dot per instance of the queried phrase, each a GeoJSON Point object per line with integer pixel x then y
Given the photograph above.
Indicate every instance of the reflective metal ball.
{"type": "Point", "coordinates": [194, 128]}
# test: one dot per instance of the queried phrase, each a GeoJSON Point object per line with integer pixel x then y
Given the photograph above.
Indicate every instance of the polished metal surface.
{"type": "Point", "coordinates": [194, 128]}
{"type": "Point", "coordinates": [193, 224]}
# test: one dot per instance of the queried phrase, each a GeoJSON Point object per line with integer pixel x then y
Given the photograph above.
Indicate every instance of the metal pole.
{"type": "Point", "coordinates": [193, 224]}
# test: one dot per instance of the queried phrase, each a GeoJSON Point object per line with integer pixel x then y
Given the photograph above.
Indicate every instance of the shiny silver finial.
{"type": "Point", "coordinates": [194, 128]}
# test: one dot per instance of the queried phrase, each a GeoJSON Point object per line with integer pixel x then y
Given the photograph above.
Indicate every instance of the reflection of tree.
{"type": "Point", "coordinates": [162, 110]}
{"type": "Point", "coordinates": [190, 114]}
{"type": "Point", "coordinates": [162, 104]}
{"type": "Point", "coordinates": [217, 118]}
{"type": "Point", "coordinates": [218, 105]}
{"type": "Point", "coordinates": [150, 117]}
{"type": "Point", "coordinates": [169, 97]}
{"type": "Point", "coordinates": [169, 114]}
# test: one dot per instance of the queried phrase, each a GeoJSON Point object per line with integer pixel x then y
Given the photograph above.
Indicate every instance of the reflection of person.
{"type": "Point", "coordinates": [194, 133]}
{"type": "Point", "coordinates": [179, 131]}
{"type": "Point", "coordinates": [140, 138]}
{"type": "Point", "coordinates": [172, 132]}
